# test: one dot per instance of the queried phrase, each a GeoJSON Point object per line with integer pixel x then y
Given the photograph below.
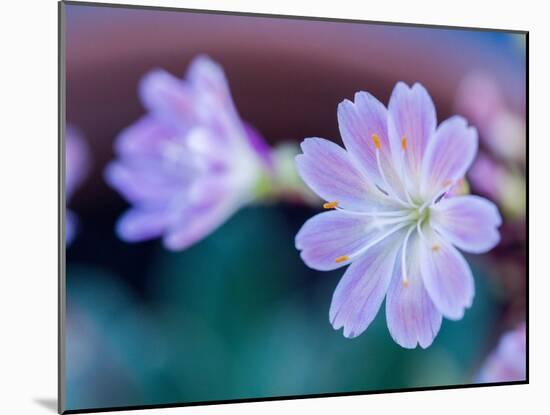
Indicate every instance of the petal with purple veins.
{"type": "Point", "coordinates": [468, 222]}
{"type": "Point", "coordinates": [328, 170]}
{"type": "Point", "coordinates": [411, 117]}
{"type": "Point", "coordinates": [448, 155]}
{"type": "Point", "coordinates": [411, 315]}
{"type": "Point", "coordinates": [446, 275]}
{"type": "Point", "coordinates": [361, 290]}
{"type": "Point", "coordinates": [363, 127]}
{"type": "Point", "coordinates": [335, 234]}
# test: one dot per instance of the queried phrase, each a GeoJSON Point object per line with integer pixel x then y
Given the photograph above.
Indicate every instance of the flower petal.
{"type": "Point", "coordinates": [207, 77]}
{"type": "Point", "coordinates": [468, 222]}
{"type": "Point", "coordinates": [77, 160]}
{"type": "Point", "coordinates": [208, 205]}
{"type": "Point", "coordinates": [411, 115]}
{"type": "Point", "coordinates": [168, 98]}
{"type": "Point", "coordinates": [447, 276]}
{"type": "Point", "coordinates": [410, 313]}
{"type": "Point", "coordinates": [507, 363]}
{"type": "Point", "coordinates": [145, 138]}
{"type": "Point", "coordinates": [328, 170]}
{"type": "Point", "coordinates": [334, 234]}
{"type": "Point", "coordinates": [361, 290]}
{"type": "Point", "coordinates": [359, 122]}
{"type": "Point", "coordinates": [448, 155]}
{"type": "Point", "coordinates": [196, 224]}
{"type": "Point", "coordinates": [138, 224]}
{"type": "Point", "coordinates": [143, 183]}
{"type": "Point", "coordinates": [71, 222]}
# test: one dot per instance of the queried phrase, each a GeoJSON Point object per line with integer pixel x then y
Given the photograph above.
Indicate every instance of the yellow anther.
{"type": "Point", "coordinates": [436, 248]}
{"type": "Point", "coordinates": [330, 205]}
{"type": "Point", "coordinates": [342, 258]}
{"type": "Point", "coordinates": [405, 283]}
{"type": "Point", "coordinates": [376, 141]}
{"type": "Point", "coordinates": [404, 143]}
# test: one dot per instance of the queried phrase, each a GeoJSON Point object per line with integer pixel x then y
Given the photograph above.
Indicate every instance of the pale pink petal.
{"type": "Point", "coordinates": [361, 290]}
{"type": "Point", "coordinates": [447, 276]}
{"type": "Point", "coordinates": [468, 222]}
{"type": "Point", "coordinates": [412, 117]}
{"type": "Point", "coordinates": [411, 315]}
{"type": "Point", "coordinates": [363, 127]}
{"type": "Point", "coordinates": [334, 234]}
{"type": "Point", "coordinates": [448, 155]}
{"type": "Point", "coordinates": [328, 170]}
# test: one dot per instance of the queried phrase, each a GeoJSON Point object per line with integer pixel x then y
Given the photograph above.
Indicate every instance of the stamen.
{"type": "Point", "coordinates": [382, 190]}
{"type": "Point", "coordinates": [419, 229]}
{"type": "Point", "coordinates": [372, 243]}
{"type": "Point", "coordinates": [381, 171]}
{"type": "Point", "coordinates": [403, 257]}
{"type": "Point", "coordinates": [404, 176]}
{"type": "Point", "coordinates": [436, 248]}
{"type": "Point", "coordinates": [383, 214]}
{"type": "Point", "coordinates": [342, 258]}
{"type": "Point", "coordinates": [447, 184]}
{"type": "Point", "coordinates": [438, 198]}
{"type": "Point", "coordinates": [330, 205]}
{"type": "Point", "coordinates": [376, 141]}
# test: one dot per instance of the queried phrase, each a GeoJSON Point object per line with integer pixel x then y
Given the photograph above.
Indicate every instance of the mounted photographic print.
{"type": "Point", "coordinates": [260, 207]}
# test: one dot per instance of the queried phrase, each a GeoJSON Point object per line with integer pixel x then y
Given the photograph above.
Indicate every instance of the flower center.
{"type": "Point", "coordinates": [421, 213]}
{"type": "Point", "coordinates": [411, 216]}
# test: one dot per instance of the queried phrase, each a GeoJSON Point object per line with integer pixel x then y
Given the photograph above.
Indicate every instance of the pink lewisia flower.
{"type": "Point", "coordinates": [394, 222]}
{"type": "Point", "coordinates": [508, 362]}
{"type": "Point", "coordinates": [188, 164]}
{"type": "Point", "coordinates": [77, 164]}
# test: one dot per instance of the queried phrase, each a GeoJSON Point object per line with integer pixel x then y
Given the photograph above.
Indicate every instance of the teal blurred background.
{"type": "Point", "coordinates": [239, 315]}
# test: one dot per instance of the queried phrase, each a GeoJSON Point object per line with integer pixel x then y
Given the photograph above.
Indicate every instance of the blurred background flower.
{"type": "Point", "coordinates": [77, 166]}
{"type": "Point", "coordinates": [147, 325]}
{"type": "Point", "coordinates": [188, 164]}
{"type": "Point", "coordinates": [508, 362]}
{"type": "Point", "coordinates": [499, 171]}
